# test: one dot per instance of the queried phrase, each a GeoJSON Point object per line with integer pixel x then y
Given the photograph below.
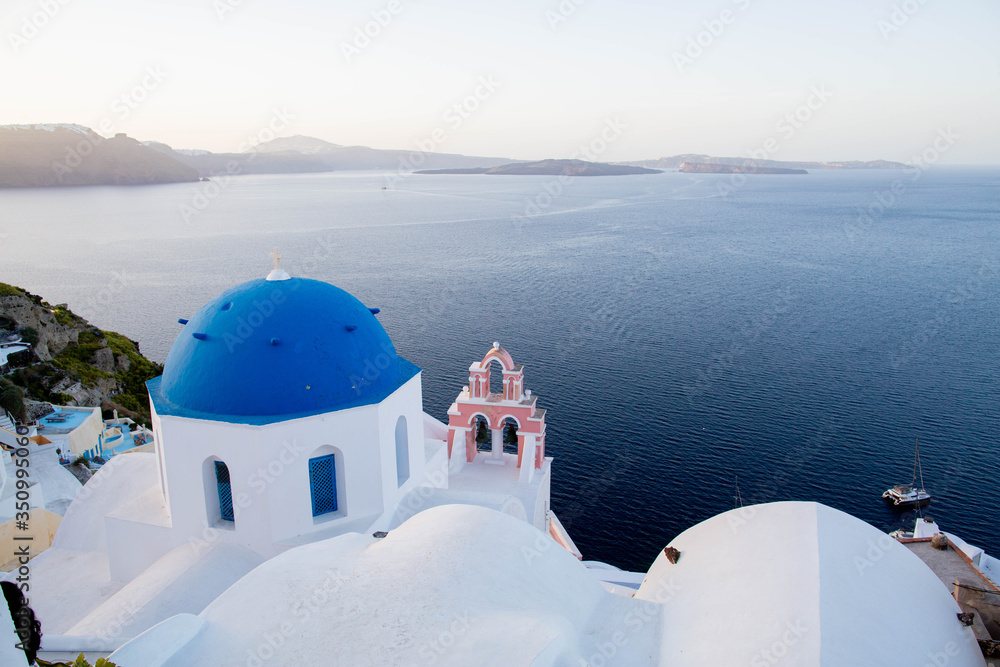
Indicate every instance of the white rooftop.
{"type": "Point", "coordinates": [786, 583]}
{"type": "Point", "coordinates": [454, 585]}
{"type": "Point", "coordinates": [807, 585]}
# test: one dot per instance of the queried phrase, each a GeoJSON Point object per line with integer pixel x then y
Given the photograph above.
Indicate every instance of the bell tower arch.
{"type": "Point", "coordinates": [513, 403]}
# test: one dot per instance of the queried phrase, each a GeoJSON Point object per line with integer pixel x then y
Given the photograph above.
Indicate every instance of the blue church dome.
{"type": "Point", "coordinates": [265, 351]}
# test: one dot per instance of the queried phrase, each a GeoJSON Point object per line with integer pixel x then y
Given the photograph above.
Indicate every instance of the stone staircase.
{"type": "Point", "coordinates": [8, 432]}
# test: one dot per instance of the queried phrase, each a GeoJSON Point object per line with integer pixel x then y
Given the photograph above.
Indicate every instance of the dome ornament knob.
{"type": "Point", "coordinates": [277, 273]}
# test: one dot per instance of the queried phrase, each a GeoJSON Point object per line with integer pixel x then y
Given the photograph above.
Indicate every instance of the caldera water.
{"type": "Point", "coordinates": [797, 333]}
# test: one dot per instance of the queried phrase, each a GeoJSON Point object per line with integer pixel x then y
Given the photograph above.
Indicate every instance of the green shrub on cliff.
{"type": "Point", "coordinates": [67, 317]}
{"type": "Point", "coordinates": [80, 661]}
{"type": "Point", "coordinates": [85, 361]}
{"type": "Point", "coordinates": [133, 395]}
{"type": "Point", "coordinates": [12, 400]}
{"type": "Point", "coordinates": [29, 335]}
{"type": "Point", "coordinates": [75, 359]}
{"type": "Point", "coordinates": [22, 358]}
{"type": "Point", "coordinates": [10, 290]}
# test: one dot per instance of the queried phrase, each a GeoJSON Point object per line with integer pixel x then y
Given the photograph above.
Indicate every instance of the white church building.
{"type": "Point", "coordinates": [301, 508]}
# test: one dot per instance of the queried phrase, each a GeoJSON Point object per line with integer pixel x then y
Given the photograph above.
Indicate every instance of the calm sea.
{"type": "Point", "coordinates": [679, 337]}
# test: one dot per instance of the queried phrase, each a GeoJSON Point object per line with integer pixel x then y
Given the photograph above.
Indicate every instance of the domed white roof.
{"type": "Point", "coordinates": [454, 585]}
{"type": "Point", "coordinates": [800, 583]}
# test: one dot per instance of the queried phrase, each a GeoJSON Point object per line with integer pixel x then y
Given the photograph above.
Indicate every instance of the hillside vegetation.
{"type": "Point", "coordinates": [72, 362]}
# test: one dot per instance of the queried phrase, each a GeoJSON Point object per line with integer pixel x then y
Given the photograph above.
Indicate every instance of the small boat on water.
{"type": "Point", "coordinates": [910, 495]}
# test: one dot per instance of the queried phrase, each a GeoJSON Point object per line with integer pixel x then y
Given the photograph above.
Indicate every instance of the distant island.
{"type": "Point", "coordinates": [551, 168]}
{"type": "Point", "coordinates": [705, 168]}
{"type": "Point", "coordinates": [64, 154]}
{"type": "Point", "coordinates": [677, 161]}
{"type": "Point", "coordinates": [307, 155]}
{"type": "Point", "coordinates": [58, 154]}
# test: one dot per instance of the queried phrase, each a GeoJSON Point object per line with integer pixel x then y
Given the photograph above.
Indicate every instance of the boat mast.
{"type": "Point", "coordinates": [917, 466]}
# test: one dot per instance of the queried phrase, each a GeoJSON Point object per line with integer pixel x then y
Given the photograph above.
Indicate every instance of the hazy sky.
{"type": "Point", "coordinates": [560, 72]}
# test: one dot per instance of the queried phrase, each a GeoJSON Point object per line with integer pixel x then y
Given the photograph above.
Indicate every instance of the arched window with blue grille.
{"type": "Point", "coordinates": [323, 484]}
{"type": "Point", "coordinates": [225, 491]}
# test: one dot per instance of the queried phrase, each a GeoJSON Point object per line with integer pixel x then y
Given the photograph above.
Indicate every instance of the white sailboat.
{"type": "Point", "coordinates": [910, 495]}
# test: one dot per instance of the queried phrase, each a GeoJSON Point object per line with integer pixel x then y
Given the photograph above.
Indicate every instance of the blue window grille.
{"type": "Point", "coordinates": [323, 484]}
{"type": "Point", "coordinates": [225, 490]}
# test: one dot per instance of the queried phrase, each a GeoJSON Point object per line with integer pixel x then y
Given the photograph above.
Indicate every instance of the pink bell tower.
{"type": "Point", "coordinates": [515, 403]}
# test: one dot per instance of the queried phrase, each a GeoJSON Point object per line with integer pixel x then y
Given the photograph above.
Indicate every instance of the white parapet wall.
{"type": "Point", "coordinates": [990, 567]}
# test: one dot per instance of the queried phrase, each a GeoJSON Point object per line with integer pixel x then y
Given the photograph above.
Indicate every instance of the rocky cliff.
{"type": "Point", "coordinates": [73, 362]}
{"type": "Point", "coordinates": [52, 155]}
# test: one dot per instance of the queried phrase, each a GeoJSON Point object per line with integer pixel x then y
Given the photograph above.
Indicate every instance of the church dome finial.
{"type": "Point", "coordinates": [277, 273]}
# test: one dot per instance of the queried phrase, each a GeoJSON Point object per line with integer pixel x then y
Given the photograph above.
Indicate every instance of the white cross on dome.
{"type": "Point", "coordinates": [277, 273]}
